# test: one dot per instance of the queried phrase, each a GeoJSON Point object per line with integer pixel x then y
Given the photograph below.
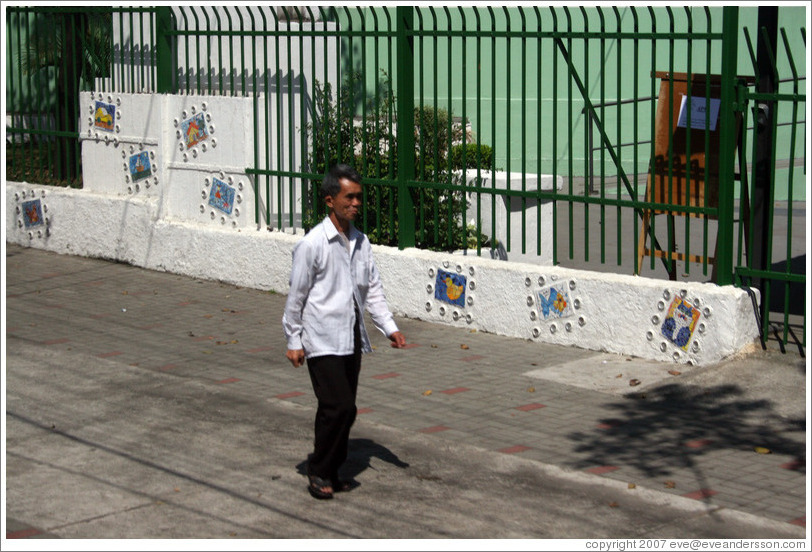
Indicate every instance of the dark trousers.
{"type": "Point", "coordinates": [335, 383]}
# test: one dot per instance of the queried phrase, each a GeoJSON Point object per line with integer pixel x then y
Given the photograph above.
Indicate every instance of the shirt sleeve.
{"type": "Point", "coordinates": [376, 300]}
{"type": "Point", "coordinates": [301, 280]}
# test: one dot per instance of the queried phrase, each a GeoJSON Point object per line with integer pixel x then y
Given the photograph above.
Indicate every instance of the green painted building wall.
{"type": "Point", "coordinates": [521, 97]}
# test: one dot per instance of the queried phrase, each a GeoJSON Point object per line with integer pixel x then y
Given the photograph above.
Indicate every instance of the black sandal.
{"type": "Point", "coordinates": [317, 485]}
{"type": "Point", "coordinates": [342, 486]}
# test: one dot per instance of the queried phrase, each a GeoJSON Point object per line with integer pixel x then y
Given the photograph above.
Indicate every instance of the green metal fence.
{"type": "Point", "coordinates": [770, 257]}
{"type": "Point", "coordinates": [495, 102]}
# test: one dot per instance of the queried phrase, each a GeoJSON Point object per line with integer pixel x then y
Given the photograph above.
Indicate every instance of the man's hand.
{"type": "Point", "coordinates": [398, 341]}
{"type": "Point", "coordinates": [296, 357]}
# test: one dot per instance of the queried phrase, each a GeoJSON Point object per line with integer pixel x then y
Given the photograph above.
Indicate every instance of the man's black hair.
{"type": "Point", "coordinates": [331, 186]}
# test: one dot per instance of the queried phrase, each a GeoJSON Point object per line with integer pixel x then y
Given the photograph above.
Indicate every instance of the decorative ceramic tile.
{"type": "Point", "coordinates": [450, 288]}
{"type": "Point", "coordinates": [194, 130]}
{"type": "Point", "coordinates": [554, 302]}
{"type": "Point", "coordinates": [32, 213]}
{"type": "Point", "coordinates": [140, 166]}
{"type": "Point", "coordinates": [679, 324]}
{"type": "Point", "coordinates": [222, 196]}
{"type": "Point", "coordinates": [104, 116]}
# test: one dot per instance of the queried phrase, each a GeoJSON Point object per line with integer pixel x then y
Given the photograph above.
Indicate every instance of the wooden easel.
{"type": "Point", "coordinates": [679, 177]}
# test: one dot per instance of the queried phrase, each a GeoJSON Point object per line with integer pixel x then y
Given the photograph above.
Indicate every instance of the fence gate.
{"type": "Point", "coordinates": [772, 236]}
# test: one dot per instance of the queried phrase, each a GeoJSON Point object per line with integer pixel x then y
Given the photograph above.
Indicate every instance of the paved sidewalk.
{"type": "Point", "coordinates": [731, 436]}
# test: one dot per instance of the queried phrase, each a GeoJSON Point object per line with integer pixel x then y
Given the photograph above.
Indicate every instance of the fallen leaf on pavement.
{"type": "Point", "coordinates": [531, 389]}
{"type": "Point", "coordinates": [674, 372]}
{"type": "Point", "coordinates": [427, 392]}
{"type": "Point", "coordinates": [762, 450]}
{"type": "Point", "coordinates": [613, 504]}
{"type": "Point", "coordinates": [632, 486]}
{"type": "Point", "coordinates": [634, 382]}
{"type": "Point", "coordinates": [619, 376]}
{"type": "Point", "coordinates": [464, 346]}
{"type": "Point", "coordinates": [670, 485]}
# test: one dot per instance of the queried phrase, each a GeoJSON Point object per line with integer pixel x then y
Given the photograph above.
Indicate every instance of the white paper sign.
{"type": "Point", "coordinates": [698, 112]}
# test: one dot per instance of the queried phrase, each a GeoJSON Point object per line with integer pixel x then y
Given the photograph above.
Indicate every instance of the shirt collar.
{"type": "Point", "coordinates": [332, 232]}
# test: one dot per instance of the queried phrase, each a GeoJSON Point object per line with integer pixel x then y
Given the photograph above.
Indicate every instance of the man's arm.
{"type": "Point", "coordinates": [378, 308]}
{"type": "Point", "coordinates": [301, 279]}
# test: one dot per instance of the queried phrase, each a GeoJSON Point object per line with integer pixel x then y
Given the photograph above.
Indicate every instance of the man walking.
{"type": "Point", "coordinates": [333, 279]}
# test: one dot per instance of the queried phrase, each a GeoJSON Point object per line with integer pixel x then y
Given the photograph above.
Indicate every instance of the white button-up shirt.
{"type": "Point", "coordinates": [319, 314]}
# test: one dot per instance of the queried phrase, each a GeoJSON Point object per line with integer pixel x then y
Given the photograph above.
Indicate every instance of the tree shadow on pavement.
{"type": "Point", "coordinates": [670, 427]}
{"type": "Point", "coordinates": [359, 458]}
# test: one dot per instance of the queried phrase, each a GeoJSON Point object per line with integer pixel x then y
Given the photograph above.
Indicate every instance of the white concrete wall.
{"type": "Point", "coordinates": [170, 226]}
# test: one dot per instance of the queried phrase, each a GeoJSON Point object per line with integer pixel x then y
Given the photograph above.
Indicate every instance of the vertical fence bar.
{"type": "Point", "coordinates": [493, 118]}
{"type": "Point", "coordinates": [464, 123]}
{"type": "Point", "coordinates": [13, 28]}
{"type": "Point", "coordinates": [34, 98]}
{"type": "Point", "coordinates": [708, 65]}
{"type": "Point", "coordinates": [727, 136]}
{"type": "Point", "coordinates": [619, 95]}
{"type": "Point", "coordinates": [636, 138]}
{"type": "Point", "coordinates": [421, 168]}
{"type": "Point", "coordinates": [266, 99]}
{"type": "Point", "coordinates": [508, 128]}
{"type": "Point", "coordinates": [670, 262]}
{"type": "Point", "coordinates": [391, 193]}
{"type": "Point", "coordinates": [602, 80]}
{"type": "Point", "coordinates": [478, 111]}
{"type": "Point", "coordinates": [449, 122]}
{"type": "Point", "coordinates": [279, 114]}
{"type": "Point", "coordinates": [163, 50]}
{"type": "Point", "coordinates": [291, 118]}
{"type": "Point", "coordinates": [198, 65]}
{"type": "Point", "coordinates": [763, 156]}
{"type": "Point", "coordinates": [364, 115]}
{"type": "Point", "coordinates": [790, 187]}
{"type": "Point", "coordinates": [538, 129]}
{"type": "Point", "coordinates": [585, 19]}
{"type": "Point", "coordinates": [405, 112]}
{"type": "Point", "coordinates": [570, 156]}
{"type": "Point", "coordinates": [689, 99]}
{"type": "Point", "coordinates": [377, 125]}
{"type": "Point", "coordinates": [652, 126]}
{"type": "Point", "coordinates": [523, 141]}
{"type": "Point", "coordinates": [555, 136]}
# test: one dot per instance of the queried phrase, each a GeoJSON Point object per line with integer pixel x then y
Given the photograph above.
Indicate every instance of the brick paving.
{"type": "Point", "coordinates": [452, 384]}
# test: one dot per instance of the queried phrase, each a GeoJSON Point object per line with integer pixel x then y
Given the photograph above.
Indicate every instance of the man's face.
{"type": "Point", "coordinates": [346, 205]}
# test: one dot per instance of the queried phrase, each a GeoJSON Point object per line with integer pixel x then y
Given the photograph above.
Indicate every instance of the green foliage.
{"type": "Point", "coordinates": [476, 155]}
{"type": "Point", "coordinates": [56, 53]}
{"type": "Point", "coordinates": [346, 130]}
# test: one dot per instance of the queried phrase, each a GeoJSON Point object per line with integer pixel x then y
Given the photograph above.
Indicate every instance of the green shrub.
{"type": "Point", "coordinates": [370, 145]}
{"type": "Point", "coordinates": [476, 155]}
